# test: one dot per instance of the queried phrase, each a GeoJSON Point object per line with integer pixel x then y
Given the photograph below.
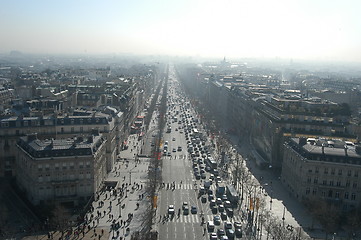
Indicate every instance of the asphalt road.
{"type": "Point", "coordinates": [180, 184]}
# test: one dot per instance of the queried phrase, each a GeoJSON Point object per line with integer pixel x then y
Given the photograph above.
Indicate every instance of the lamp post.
{"type": "Point", "coordinates": [283, 217]}
{"type": "Point", "coordinates": [270, 207]}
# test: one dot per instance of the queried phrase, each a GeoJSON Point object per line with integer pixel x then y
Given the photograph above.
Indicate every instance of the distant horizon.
{"type": "Point", "coordinates": [213, 58]}
{"type": "Point", "coordinates": [289, 29]}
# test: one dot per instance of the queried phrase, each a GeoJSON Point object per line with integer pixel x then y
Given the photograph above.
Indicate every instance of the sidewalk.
{"type": "Point", "coordinates": [282, 204]}
{"type": "Point", "coordinates": [120, 207]}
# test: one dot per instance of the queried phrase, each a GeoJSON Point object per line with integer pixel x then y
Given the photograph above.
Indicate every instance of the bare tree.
{"type": "Point", "coordinates": [60, 218]}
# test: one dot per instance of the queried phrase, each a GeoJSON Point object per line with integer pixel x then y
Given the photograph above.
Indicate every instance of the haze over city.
{"type": "Point", "coordinates": [314, 30]}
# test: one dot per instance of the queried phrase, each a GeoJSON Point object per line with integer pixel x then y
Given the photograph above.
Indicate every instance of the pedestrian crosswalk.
{"type": "Point", "coordinates": [194, 218]}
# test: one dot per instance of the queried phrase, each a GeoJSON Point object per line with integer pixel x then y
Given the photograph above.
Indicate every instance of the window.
{"type": "Point", "coordinates": [347, 183]}
{"type": "Point", "coordinates": [47, 166]}
{"type": "Point", "coordinates": [81, 129]}
{"type": "Point", "coordinates": [310, 170]}
{"type": "Point", "coordinates": [317, 170]}
{"type": "Point", "coordinates": [323, 194]}
{"type": "Point", "coordinates": [346, 195]}
{"type": "Point", "coordinates": [326, 171]}
{"type": "Point", "coordinates": [308, 180]}
{"type": "Point", "coordinates": [314, 191]}
{"type": "Point", "coordinates": [354, 185]}
{"type": "Point", "coordinates": [331, 183]}
{"type": "Point", "coordinates": [72, 129]}
{"type": "Point", "coordinates": [349, 173]}
{"type": "Point", "coordinates": [88, 164]}
{"type": "Point", "coordinates": [324, 182]}
{"type": "Point", "coordinates": [26, 123]}
{"type": "Point", "coordinates": [315, 181]}
{"type": "Point", "coordinates": [356, 174]}
{"type": "Point", "coordinates": [340, 172]}
{"type": "Point", "coordinates": [307, 191]}
{"type": "Point", "coordinates": [353, 196]}
{"type": "Point", "coordinates": [64, 165]}
{"type": "Point", "coordinates": [337, 195]}
{"type": "Point", "coordinates": [333, 171]}
{"type": "Point", "coordinates": [330, 193]}
{"type": "Point", "coordinates": [71, 165]}
{"type": "Point", "coordinates": [62, 130]}
{"type": "Point", "coordinates": [56, 166]}
{"type": "Point", "coordinates": [338, 183]}
{"type": "Point", "coordinates": [81, 165]}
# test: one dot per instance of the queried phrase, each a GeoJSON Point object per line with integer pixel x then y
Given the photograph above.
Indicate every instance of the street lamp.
{"type": "Point", "coordinates": [283, 217]}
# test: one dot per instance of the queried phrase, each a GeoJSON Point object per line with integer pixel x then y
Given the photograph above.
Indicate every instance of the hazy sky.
{"type": "Point", "coordinates": [311, 29]}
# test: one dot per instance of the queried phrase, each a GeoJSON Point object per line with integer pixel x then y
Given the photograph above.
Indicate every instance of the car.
{"type": "Point", "coordinates": [229, 212]}
{"type": "Point", "coordinates": [185, 204]}
{"type": "Point", "coordinates": [230, 233]}
{"type": "Point", "coordinates": [203, 176]}
{"type": "Point", "coordinates": [212, 203]}
{"type": "Point", "coordinates": [203, 199]}
{"type": "Point", "coordinates": [237, 225]}
{"type": "Point", "coordinates": [194, 210]}
{"type": "Point", "coordinates": [210, 226]}
{"type": "Point", "coordinates": [171, 210]}
{"type": "Point", "coordinates": [219, 201]}
{"type": "Point", "coordinates": [179, 148]}
{"type": "Point", "coordinates": [217, 220]}
{"type": "Point", "coordinates": [210, 197]}
{"type": "Point", "coordinates": [224, 198]}
{"type": "Point", "coordinates": [202, 190]}
{"type": "Point", "coordinates": [214, 210]}
{"type": "Point", "coordinates": [218, 179]}
{"type": "Point", "coordinates": [227, 204]}
{"type": "Point", "coordinates": [221, 208]}
{"type": "Point", "coordinates": [224, 216]}
{"type": "Point", "coordinates": [227, 225]}
{"type": "Point", "coordinates": [173, 139]}
{"type": "Point", "coordinates": [169, 154]}
{"type": "Point", "coordinates": [198, 176]}
{"type": "Point", "coordinates": [238, 232]}
{"type": "Point", "coordinates": [220, 232]}
{"type": "Point", "coordinates": [224, 237]}
{"type": "Point", "coordinates": [210, 192]}
{"type": "Point", "coordinates": [174, 150]}
{"type": "Point", "coordinates": [213, 236]}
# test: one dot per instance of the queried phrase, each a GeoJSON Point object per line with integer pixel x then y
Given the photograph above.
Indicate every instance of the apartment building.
{"type": "Point", "coordinates": [60, 170]}
{"type": "Point", "coordinates": [323, 168]}
{"type": "Point", "coordinates": [75, 124]}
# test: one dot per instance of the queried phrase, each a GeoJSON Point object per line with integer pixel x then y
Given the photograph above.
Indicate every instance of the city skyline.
{"type": "Point", "coordinates": [312, 30]}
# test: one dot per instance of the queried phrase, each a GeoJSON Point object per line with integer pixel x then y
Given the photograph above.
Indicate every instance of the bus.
{"type": "Point", "coordinates": [232, 195]}
{"type": "Point", "coordinates": [211, 163]}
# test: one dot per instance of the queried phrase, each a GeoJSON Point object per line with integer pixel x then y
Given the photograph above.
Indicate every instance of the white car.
{"type": "Point", "coordinates": [171, 210]}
